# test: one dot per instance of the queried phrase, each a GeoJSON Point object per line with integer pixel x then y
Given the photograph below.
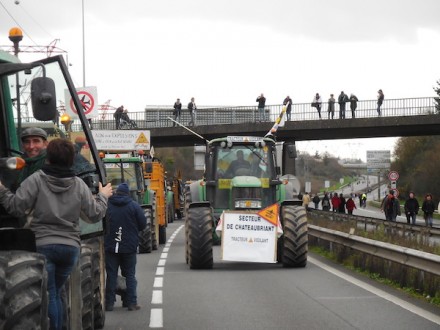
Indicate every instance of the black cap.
{"type": "Point", "coordinates": [34, 131]}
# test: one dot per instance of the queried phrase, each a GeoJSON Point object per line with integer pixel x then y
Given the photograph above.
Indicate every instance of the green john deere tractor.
{"type": "Point", "coordinates": [242, 174]}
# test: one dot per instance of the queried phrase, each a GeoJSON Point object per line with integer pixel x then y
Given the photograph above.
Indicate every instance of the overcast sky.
{"type": "Point", "coordinates": [143, 52]}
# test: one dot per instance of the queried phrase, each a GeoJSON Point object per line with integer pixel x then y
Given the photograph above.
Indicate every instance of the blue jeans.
{"type": "Point", "coordinates": [261, 114]}
{"type": "Point", "coordinates": [60, 260]}
{"type": "Point", "coordinates": [127, 262]}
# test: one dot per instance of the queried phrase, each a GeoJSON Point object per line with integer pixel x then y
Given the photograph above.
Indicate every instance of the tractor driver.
{"type": "Point", "coordinates": [34, 141]}
{"type": "Point", "coordinates": [240, 166]}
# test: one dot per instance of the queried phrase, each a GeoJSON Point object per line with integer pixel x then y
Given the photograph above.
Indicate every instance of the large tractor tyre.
{"type": "Point", "coordinates": [86, 287]}
{"type": "Point", "coordinates": [188, 201]}
{"type": "Point", "coordinates": [293, 244]}
{"type": "Point", "coordinates": [200, 238]}
{"type": "Point", "coordinates": [23, 291]}
{"type": "Point", "coordinates": [98, 306]}
{"type": "Point", "coordinates": [162, 234]}
{"type": "Point", "coordinates": [145, 236]}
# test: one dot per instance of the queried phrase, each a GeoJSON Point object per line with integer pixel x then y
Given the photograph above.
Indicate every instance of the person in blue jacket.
{"type": "Point", "coordinates": [125, 219]}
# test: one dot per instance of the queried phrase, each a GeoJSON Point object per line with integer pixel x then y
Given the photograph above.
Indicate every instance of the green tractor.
{"type": "Point", "coordinates": [130, 170]}
{"type": "Point", "coordinates": [29, 93]}
{"type": "Point", "coordinates": [242, 174]}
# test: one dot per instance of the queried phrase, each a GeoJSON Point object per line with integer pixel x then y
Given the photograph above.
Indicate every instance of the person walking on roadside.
{"type": "Point", "coordinates": [331, 106]}
{"type": "Point", "coordinates": [125, 219]}
{"type": "Point", "coordinates": [411, 208]}
{"type": "Point", "coordinates": [288, 103]}
{"type": "Point", "coordinates": [380, 98]}
{"type": "Point", "coordinates": [391, 207]}
{"type": "Point", "coordinates": [428, 209]}
{"type": "Point", "coordinates": [325, 202]}
{"type": "Point", "coordinates": [342, 100]}
{"type": "Point", "coordinates": [342, 203]}
{"type": "Point", "coordinates": [56, 198]}
{"type": "Point", "coordinates": [350, 205]}
{"type": "Point", "coordinates": [335, 202]}
{"type": "Point", "coordinates": [316, 200]}
{"type": "Point", "coordinates": [177, 110]}
{"type": "Point", "coordinates": [306, 200]}
{"type": "Point", "coordinates": [317, 103]}
{"type": "Point", "coordinates": [261, 104]}
{"type": "Point", "coordinates": [192, 112]}
{"type": "Point", "coordinates": [353, 104]}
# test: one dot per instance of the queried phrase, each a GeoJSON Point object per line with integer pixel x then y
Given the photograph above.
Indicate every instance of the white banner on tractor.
{"type": "Point", "coordinates": [121, 140]}
{"type": "Point", "coordinates": [247, 236]}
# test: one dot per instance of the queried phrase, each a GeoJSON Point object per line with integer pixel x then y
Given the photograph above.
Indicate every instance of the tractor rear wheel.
{"type": "Point", "coordinates": [293, 244]}
{"type": "Point", "coordinates": [200, 237]}
{"type": "Point", "coordinates": [145, 238]}
{"type": "Point", "coordinates": [86, 287]}
{"type": "Point", "coordinates": [162, 234]}
{"type": "Point", "coordinates": [23, 291]}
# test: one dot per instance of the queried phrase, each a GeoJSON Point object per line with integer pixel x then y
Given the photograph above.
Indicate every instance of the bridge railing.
{"type": "Point", "coordinates": [157, 116]}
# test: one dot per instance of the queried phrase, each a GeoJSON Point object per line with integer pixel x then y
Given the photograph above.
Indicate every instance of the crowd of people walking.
{"type": "Point", "coordinates": [390, 205]}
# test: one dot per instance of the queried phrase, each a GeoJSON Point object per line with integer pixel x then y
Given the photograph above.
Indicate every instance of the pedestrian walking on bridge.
{"type": "Point", "coordinates": [331, 106]}
{"type": "Point", "coordinates": [380, 98]}
{"type": "Point", "coordinates": [177, 110]}
{"type": "Point", "coordinates": [317, 103]}
{"type": "Point", "coordinates": [428, 209]}
{"type": "Point", "coordinates": [342, 100]}
{"type": "Point", "coordinates": [411, 209]}
{"type": "Point", "coordinates": [353, 104]}
{"type": "Point", "coordinates": [261, 104]}
{"type": "Point", "coordinates": [192, 112]}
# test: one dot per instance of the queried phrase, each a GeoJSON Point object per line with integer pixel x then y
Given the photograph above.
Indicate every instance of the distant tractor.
{"type": "Point", "coordinates": [242, 174]}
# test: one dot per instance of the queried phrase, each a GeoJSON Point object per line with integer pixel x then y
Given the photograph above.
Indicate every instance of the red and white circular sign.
{"type": "Point", "coordinates": [87, 101]}
{"type": "Point", "coordinates": [393, 176]}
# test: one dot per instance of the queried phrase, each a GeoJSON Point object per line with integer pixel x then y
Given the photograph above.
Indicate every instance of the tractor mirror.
{"type": "Point", "coordinates": [44, 106]}
{"type": "Point", "coordinates": [291, 151]}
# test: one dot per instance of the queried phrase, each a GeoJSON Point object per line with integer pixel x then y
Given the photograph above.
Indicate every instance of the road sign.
{"type": "Point", "coordinates": [378, 159]}
{"type": "Point", "coordinates": [396, 192]}
{"type": "Point", "coordinates": [88, 96]}
{"type": "Point", "coordinates": [393, 176]}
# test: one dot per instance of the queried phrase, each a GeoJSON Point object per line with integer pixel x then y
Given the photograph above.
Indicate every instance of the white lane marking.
{"type": "Point", "coordinates": [156, 314]}
{"type": "Point", "coordinates": [378, 292]}
{"type": "Point", "coordinates": [156, 318]}
{"type": "Point", "coordinates": [157, 297]}
{"type": "Point", "coordinates": [158, 282]}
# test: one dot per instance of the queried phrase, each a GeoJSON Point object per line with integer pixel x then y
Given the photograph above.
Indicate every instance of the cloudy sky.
{"type": "Point", "coordinates": [144, 52]}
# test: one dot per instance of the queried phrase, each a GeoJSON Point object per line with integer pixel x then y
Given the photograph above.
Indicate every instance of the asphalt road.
{"type": "Point", "coordinates": [262, 296]}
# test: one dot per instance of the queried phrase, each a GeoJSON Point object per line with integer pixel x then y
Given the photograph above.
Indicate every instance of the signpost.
{"type": "Point", "coordinates": [378, 160]}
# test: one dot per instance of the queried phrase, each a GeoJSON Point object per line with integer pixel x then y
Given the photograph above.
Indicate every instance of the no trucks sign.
{"type": "Point", "coordinates": [248, 237]}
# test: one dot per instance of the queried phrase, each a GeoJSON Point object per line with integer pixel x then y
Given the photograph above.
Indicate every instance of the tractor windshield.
{"type": "Point", "coordinates": [129, 173]}
{"type": "Point", "coordinates": [243, 172]}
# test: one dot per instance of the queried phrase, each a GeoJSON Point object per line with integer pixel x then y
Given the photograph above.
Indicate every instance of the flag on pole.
{"type": "Point", "coordinates": [279, 122]}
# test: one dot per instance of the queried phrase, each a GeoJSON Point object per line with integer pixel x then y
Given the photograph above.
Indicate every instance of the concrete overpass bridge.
{"type": "Point", "coordinates": [400, 117]}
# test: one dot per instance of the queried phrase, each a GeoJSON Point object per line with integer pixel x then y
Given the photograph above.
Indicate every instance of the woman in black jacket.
{"type": "Point", "coordinates": [411, 209]}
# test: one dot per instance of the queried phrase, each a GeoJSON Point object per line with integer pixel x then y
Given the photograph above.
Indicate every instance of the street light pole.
{"type": "Point", "coordinates": [84, 45]}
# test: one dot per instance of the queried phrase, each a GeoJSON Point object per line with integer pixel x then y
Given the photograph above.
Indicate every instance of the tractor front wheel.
{"type": "Point", "coordinates": [293, 244]}
{"type": "Point", "coordinates": [200, 237]}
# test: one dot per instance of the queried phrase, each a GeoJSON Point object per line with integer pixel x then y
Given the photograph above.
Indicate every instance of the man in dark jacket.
{"type": "Point", "coordinates": [125, 220]}
{"type": "Point", "coordinates": [391, 207]}
{"type": "Point", "coordinates": [342, 99]}
{"type": "Point", "coordinates": [411, 208]}
{"type": "Point", "coordinates": [288, 103]}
